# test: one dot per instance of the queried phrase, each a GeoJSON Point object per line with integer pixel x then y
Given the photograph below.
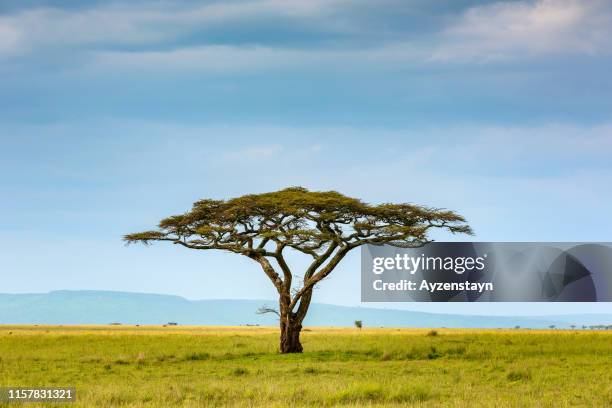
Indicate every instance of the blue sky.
{"type": "Point", "coordinates": [116, 114]}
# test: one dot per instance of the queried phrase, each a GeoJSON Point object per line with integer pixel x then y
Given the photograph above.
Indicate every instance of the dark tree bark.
{"type": "Point", "coordinates": [290, 336]}
{"type": "Point", "coordinates": [291, 323]}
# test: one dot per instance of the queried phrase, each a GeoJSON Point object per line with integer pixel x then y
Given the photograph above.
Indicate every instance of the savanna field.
{"type": "Point", "coordinates": [230, 366]}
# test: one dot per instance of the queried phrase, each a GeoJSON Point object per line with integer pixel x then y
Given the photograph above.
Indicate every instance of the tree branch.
{"type": "Point", "coordinates": [321, 274]}
{"type": "Point", "coordinates": [269, 271]}
{"type": "Point", "coordinates": [265, 309]}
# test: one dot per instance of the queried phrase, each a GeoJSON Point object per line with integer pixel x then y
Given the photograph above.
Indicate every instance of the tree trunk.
{"type": "Point", "coordinates": [291, 323]}
{"type": "Point", "coordinates": [290, 336]}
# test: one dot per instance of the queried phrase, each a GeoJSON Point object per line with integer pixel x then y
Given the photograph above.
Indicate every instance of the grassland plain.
{"type": "Point", "coordinates": [239, 366]}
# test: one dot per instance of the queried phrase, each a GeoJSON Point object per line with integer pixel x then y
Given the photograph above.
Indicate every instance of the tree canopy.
{"type": "Point", "coordinates": [300, 219]}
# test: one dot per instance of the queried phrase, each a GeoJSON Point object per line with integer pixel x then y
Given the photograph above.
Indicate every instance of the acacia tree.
{"type": "Point", "coordinates": [324, 226]}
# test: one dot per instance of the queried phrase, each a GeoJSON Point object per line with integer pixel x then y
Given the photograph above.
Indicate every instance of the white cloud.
{"type": "Point", "coordinates": [9, 39]}
{"type": "Point", "coordinates": [499, 31]}
{"type": "Point", "coordinates": [47, 27]}
{"type": "Point", "coordinates": [120, 25]}
{"type": "Point", "coordinates": [126, 36]}
{"type": "Point", "coordinates": [527, 28]}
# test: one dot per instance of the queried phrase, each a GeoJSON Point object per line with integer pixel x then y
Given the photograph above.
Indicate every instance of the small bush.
{"type": "Point", "coordinates": [432, 333]}
{"type": "Point", "coordinates": [518, 375]}
{"type": "Point", "coordinates": [433, 354]}
{"type": "Point", "coordinates": [240, 371]}
{"type": "Point", "coordinates": [164, 357]}
{"type": "Point", "coordinates": [197, 356]}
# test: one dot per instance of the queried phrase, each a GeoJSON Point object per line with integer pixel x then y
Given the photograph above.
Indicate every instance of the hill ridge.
{"type": "Point", "coordinates": [105, 306]}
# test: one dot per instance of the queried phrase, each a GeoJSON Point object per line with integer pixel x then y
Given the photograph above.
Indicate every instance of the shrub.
{"type": "Point", "coordinates": [197, 356]}
{"type": "Point", "coordinates": [519, 375]}
{"type": "Point", "coordinates": [240, 371]}
{"type": "Point", "coordinates": [433, 354]}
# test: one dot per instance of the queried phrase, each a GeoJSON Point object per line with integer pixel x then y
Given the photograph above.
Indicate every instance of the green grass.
{"type": "Point", "coordinates": [215, 366]}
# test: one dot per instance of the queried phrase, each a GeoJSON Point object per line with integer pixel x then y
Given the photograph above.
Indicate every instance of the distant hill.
{"type": "Point", "coordinates": [103, 307]}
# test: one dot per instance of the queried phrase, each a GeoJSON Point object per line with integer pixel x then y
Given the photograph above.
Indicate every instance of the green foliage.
{"type": "Point", "coordinates": [301, 219]}
{"type": "Point", "coordinates": [358, 324]}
